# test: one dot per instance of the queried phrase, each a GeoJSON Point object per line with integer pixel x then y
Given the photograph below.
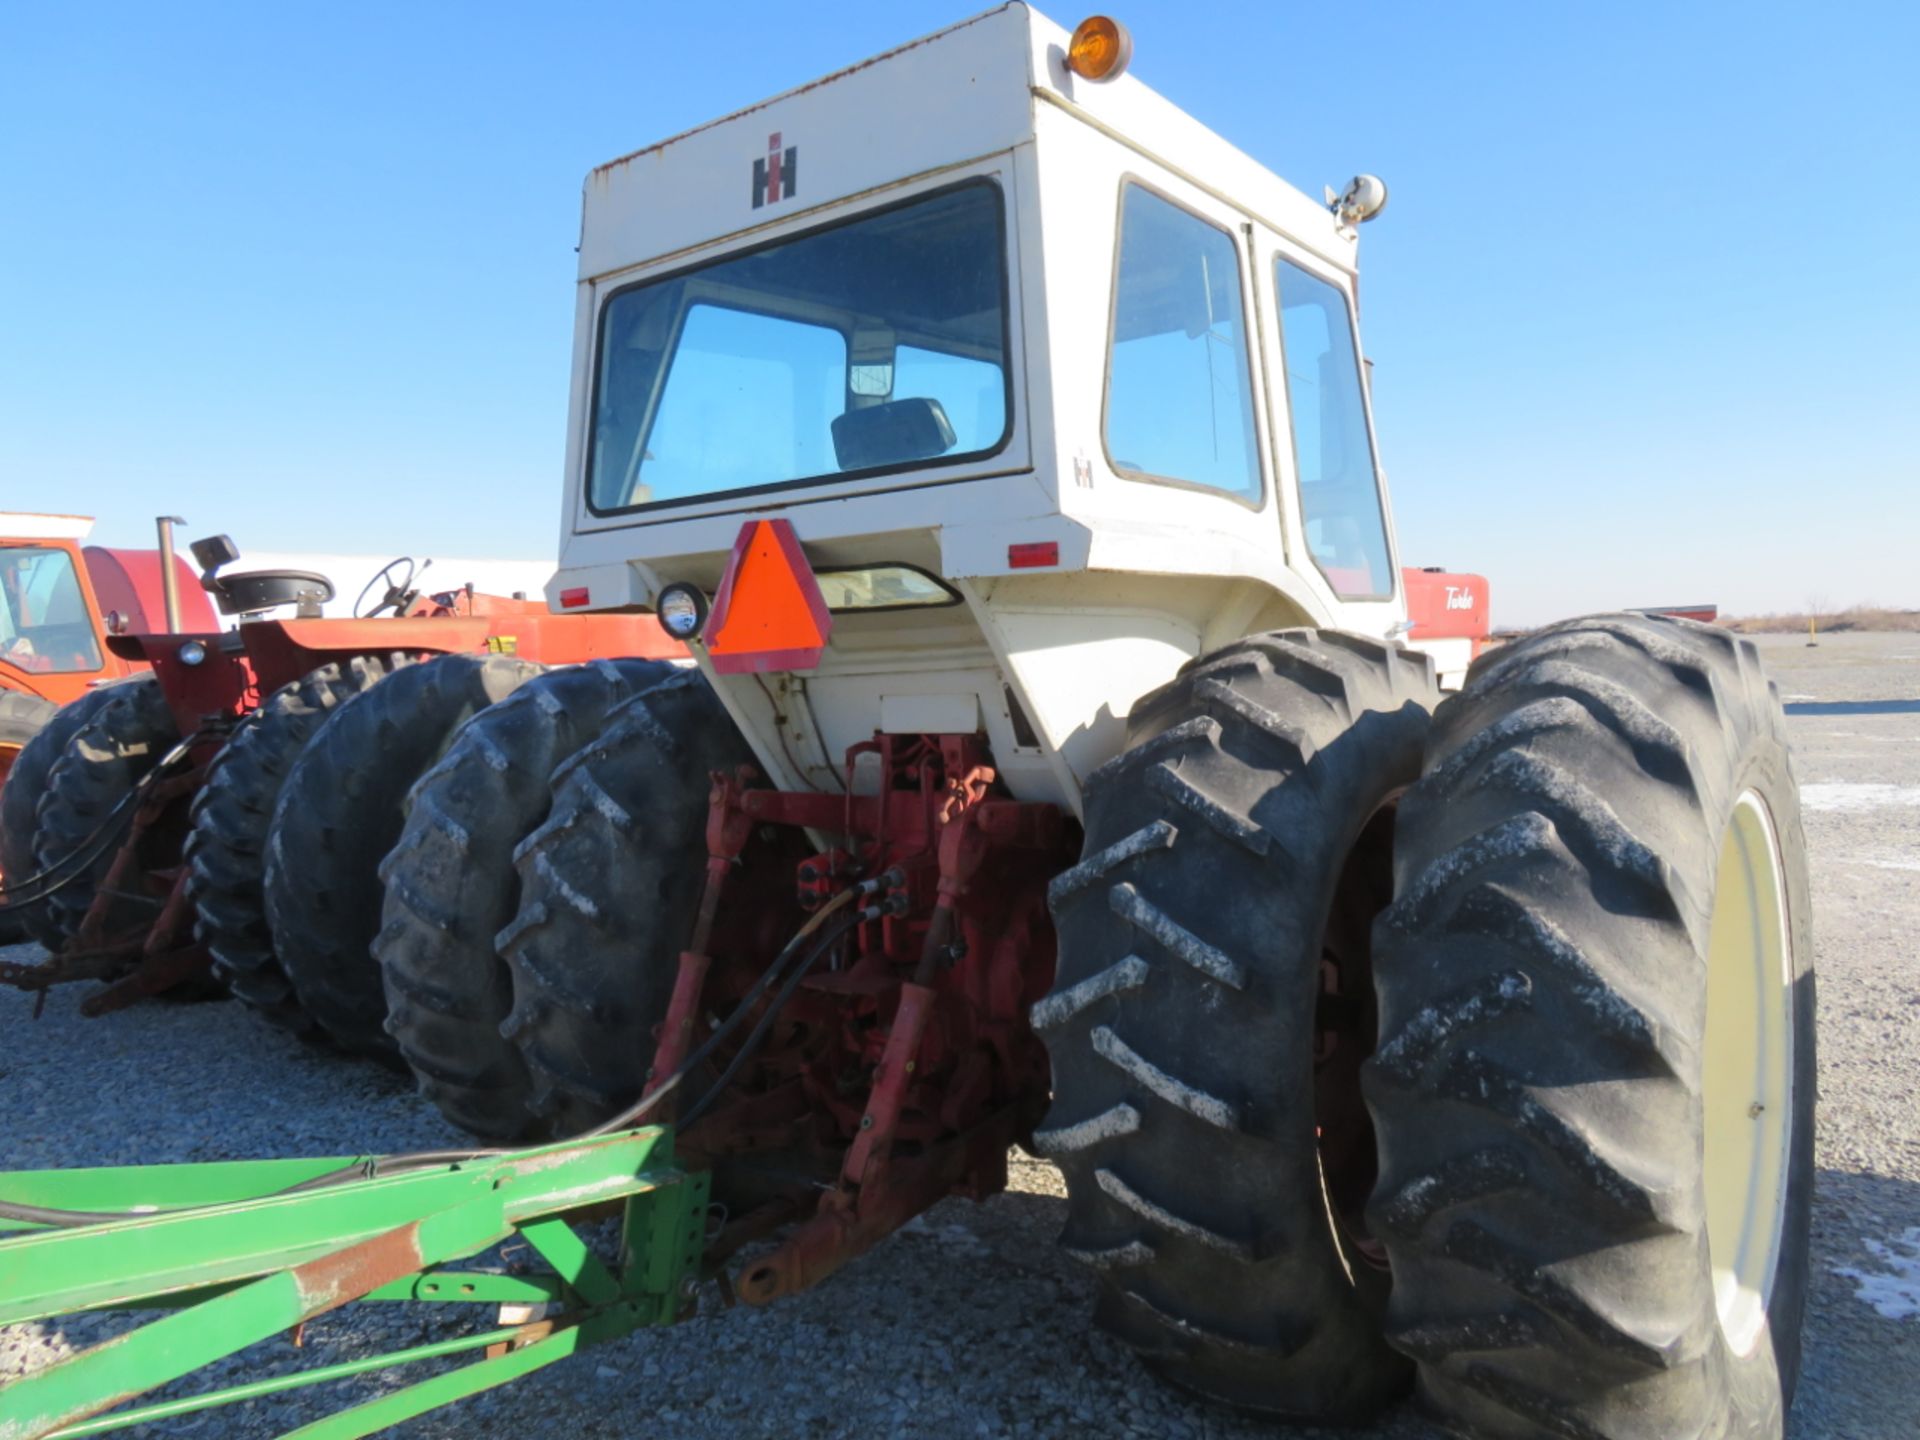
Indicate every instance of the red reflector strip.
{"type": "Point", "coordinates": [1033, 554]}
{"type": "Point", "coordinates": [573, 599]}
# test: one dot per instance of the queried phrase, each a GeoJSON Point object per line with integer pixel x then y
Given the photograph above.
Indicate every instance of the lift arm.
{"type": "Point", "coordinates": [255, 1260]}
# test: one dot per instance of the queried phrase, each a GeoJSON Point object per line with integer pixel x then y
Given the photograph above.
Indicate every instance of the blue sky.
{"type": "Point", "coordinates": [1643, 306]}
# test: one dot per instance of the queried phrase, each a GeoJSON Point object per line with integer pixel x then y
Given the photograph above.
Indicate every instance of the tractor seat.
{"type": "Point", "coordinates": [252, 590]}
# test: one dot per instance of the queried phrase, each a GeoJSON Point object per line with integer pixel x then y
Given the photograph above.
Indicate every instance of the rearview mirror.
{"type": "Point", "coordinates": [894, 433]}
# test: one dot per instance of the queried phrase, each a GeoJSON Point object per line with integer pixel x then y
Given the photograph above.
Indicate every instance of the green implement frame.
{"type": "Point", "coordinates": [255, 1257]}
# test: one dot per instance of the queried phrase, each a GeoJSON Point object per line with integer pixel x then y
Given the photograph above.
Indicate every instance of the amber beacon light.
{"type": "Point", "coordinates": [1100, 49]}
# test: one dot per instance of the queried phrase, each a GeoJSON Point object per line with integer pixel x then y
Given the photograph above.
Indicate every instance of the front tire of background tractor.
{"type": "Point", "coordinates": [609, 886]}
{"type": "Point", "coordinates": [227, 848]}
{"type": "Point", "coordinates": [22, 717]}
{"type": "Point", "coordinates": [451, 888]}
{"type": "Point", "coordinates": [101, 763]}
{"type": "Point", "coordinates": [1595, 1082]}
{"type": "Point", "coordinates": [1210, 1012]}
{"type": "Point", "coordinates": [340, 811]}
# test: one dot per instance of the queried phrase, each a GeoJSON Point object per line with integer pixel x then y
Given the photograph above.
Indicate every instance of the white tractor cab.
{"type": "Point", "coordinates": [1056, 387]}
{"type": "Point", "coordinates": [998, 439]}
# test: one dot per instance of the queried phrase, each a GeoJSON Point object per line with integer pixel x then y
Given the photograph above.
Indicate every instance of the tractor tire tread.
{"type": "Point", "coordinates": [1536, 1086]}
{"type": "Point", "coordinates": [23, 719]}
{"type": "Point", "coordinates": [341, 809]}
{"type": "Point", "coordinates": [226, 850]}
{"type": "Point", "coordinates": [1179, 1020]}
{"type": "Point", "coordinates": [451, 887]}
{"type": "Point", "coordinates": [101, 763]}
{"type": "Point", "coordinates": [606, 899]}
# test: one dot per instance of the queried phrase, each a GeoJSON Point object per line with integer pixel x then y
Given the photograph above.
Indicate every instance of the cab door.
{"type": "Point", "coordinates": [1334, 504]}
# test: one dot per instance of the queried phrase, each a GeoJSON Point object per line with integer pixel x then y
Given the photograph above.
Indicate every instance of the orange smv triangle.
{"type": "Point", "coordinates": [769, 613]}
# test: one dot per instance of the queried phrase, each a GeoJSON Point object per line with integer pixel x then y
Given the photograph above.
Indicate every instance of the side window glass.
{"type": "Point", "coordinates": [1339, 492]}
{"type": "Point", "coordinates": [1179, 392]}
{"type": "Point", "coordinates": [44, 625]}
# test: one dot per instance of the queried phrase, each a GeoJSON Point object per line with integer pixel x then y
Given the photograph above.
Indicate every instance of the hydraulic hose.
{"type": "Point", "coordinates": [747, 1001]}
{"type": "Point", "coordinates": [398, 1164]}
{"type": "Point", "coordinates": [760, 1028]}
{"type": "Point", "coordinates": [77, 861]}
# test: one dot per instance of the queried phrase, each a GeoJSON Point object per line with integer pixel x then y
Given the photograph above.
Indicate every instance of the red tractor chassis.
{"type": "Point", "coordinates": [904, 1067]}
{"type": "Point", "coordinates": [231, 672]}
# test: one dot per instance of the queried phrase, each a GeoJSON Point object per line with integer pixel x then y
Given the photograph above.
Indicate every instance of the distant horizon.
{"type": "Point", "coordinates": [1501, 623]}
{"type": "Point", "coordinates": [304, 276]}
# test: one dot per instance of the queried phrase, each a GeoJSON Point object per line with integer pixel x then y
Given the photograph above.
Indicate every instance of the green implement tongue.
{"type": "Point", "coordinates": [248, 1261]}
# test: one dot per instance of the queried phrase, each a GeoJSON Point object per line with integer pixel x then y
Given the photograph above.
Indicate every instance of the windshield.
{"type": "Point", "coordinates": [872, 345]}
{"type": "Point", "coordinates": [44, 625]}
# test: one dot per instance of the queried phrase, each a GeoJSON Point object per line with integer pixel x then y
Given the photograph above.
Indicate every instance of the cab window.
{"type": "Point", "coordinates": [44, 625]}
{"type": "Point", "coordinates": [750, 400]}
{"type": "Point", "coordinates": [1333, 452]}
{"type": "Point", "coordinates": [875, 344]}
{"type": "Point", "coordinates": [972, 392]}
{"type": "Point", "coordinates": [1179, 391]}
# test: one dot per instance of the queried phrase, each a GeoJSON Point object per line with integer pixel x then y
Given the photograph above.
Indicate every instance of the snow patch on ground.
{"type": "Point", "coordinates": [1895, 1290]}
{"type": "Point", "coordinates": [1852, 798]}
{"type": "Point", "coordinates": [1895, 861]}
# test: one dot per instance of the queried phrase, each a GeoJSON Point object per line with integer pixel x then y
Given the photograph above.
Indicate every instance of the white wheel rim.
{"type": "Point", "coordinates": [1747, 1091]}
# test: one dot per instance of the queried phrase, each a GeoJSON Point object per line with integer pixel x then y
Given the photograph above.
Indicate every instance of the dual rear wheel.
{"type": "Point", "coordinates": [1557, 928]}
{"type": "Point", "coordinates": [1589, 1092]}
{"type": "Point", "coordinates": [451, 884]}
{"type": "Point", "coordinates": [298, 810]}
{"type": "Point", "coordinates": [226, 852]}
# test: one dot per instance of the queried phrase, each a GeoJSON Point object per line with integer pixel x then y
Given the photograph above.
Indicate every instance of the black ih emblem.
{"type": "Point", "coordinates": [773, 177]}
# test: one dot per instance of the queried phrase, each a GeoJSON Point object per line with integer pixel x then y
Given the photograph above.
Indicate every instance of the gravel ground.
{"type": "Point", "coordinates": [969, 1323]}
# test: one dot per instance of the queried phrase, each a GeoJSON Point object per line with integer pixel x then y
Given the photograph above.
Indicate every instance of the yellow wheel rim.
{"type": "Point", "coordinates": [1748, 1087]}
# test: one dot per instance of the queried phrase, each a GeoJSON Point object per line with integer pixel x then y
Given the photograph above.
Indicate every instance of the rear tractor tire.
{"type": "Point", "coordinates": [227, 848]}
{"type": "Point", "coordinates": [609, 886]}
{"type": "Point", "coordinates": [1211, 1009]}
{"type": "Point", "coordinates": [22, 717]}
{"type": "Point", "coordinates": [451, 888]}
{"type": "Point", "coordinates": [104, 759]}
{"type": "Point", "coordinates": [339, 813]}
{"type": "Point", "coordinates": [1594, 1088]}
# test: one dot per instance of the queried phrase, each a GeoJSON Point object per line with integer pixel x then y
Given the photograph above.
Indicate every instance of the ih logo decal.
{"type": "Point", "coordinates": [773, 177]}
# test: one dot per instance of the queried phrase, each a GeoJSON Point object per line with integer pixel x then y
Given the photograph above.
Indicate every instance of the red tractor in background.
{"type": "Point", "coordinates": [1450, 616]}
{"type": "Point", "coordinates": [61, 602]}
{"type": "Point", "coordinates": [133, 823]}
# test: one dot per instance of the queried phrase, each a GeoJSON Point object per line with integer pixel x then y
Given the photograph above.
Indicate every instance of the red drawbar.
{"type": "Point", "coordinates": [769, 613]}
{"type": "Point", "coordinates": [574, 598]}
{"type": "Point", "coordinates": [1034, 554]}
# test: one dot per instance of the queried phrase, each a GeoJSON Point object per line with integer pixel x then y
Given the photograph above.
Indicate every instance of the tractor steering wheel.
{"type": "Point", "coordinates": [399, 594]}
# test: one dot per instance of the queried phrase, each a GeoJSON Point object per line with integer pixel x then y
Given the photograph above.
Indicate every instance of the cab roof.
{"type": "Point", "coordinates": [974, 89]}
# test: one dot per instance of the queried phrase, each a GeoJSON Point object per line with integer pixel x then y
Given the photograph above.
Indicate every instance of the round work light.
{"type": "Point", "coordinates": [682, 609]}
